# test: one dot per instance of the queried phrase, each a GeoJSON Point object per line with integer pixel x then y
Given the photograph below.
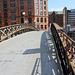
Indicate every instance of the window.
{"type": "Point", "coordinates": [12, 10]}
{"type": "Point", "coordinates": [29, 13]}
{"type": "Point", "coordinates": [30, 20]}
{"type": "Point", "coordinates": [13, 17]}
{"type": "Point", "coordinates": [45, 13]}
{"type": "Point", "coordinates": [22, 20]}
{"type": "Point", "coordinates": [41, 7]}
{"type": "Point", "coordinates": [21, 2]}
{"type": "Point", "coordinates": [41, 2]}
{"type": "Point", "coordinates": [41, 12]}
{"type": "Point", "coordinates": [45, 20]}
{"type": "Point", "coordinates": [12, 0]}
{"type": "Point", "coordinates": [29, 6]}
{"type": "Point", "coordinates": [45, 2]}
{"type": "Point", "coordinates": [45, 27]}
{"type": "Point", "coordinates": [36, 1]}
{"type": "Point", "coordinates": [5, 15]}
{"type": "Point", "coordinates": [0, 14]}
{"type": "Point", "coordinates": [37, 19]}
{"type": "Point", "coordinates": [0, 2]}
{"type": "Point", "coordinates": [0, 21]}
{"type": "Point", "coordinates": [29, 1]}
{"type": "Point", "coordinates": [42, 20]}
{"type": "Point", "coordinates": [41, 27]}
{"type": "Point", "coordinates": [12, 4]}
{"type": "Point", "coordinates": [37, 12]}
{"type": "Point", "coordinates": [37, 6]}
{"type": "Point", "coordinates": [21, 7]}
{"type": "Point", "coordinates": [6, 24]}
{"type": "Point", "coordinates": [45, 7]}
{"type": "Point", "coordinates": [5, 2]}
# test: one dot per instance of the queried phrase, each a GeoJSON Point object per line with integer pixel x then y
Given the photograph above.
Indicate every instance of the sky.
{"type": "Point", "coordinates": [58, 5]}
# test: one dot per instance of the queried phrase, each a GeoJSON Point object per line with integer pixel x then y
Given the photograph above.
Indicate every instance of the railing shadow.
{"type": "Point", "coordinates": [48, 63]}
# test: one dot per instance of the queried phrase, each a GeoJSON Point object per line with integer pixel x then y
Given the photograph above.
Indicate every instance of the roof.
{"type": "Point", "coordinates": [56, 12]}
{"type": "Point", "coordinates": [60, 12]}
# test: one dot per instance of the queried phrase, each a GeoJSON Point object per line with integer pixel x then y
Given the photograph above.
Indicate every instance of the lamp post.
{"type": "Point", "coordinates": [24, 15]}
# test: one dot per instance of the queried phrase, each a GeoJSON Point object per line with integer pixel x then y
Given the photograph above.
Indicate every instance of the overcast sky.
{"type": "Point", "coordinates": [58, 5]}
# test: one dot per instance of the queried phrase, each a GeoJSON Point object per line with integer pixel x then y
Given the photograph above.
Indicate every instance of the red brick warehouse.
{"type": "Point", "coordinates": [36, 13]}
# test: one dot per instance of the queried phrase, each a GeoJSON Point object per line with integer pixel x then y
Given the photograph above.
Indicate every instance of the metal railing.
{"type": "Point", "coordinates": [7, 31]}
{"type": "Point", "coordinates": [62, 52]}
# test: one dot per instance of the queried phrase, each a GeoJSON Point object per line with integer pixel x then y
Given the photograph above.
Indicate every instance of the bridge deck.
{"type": "Point", "coordinates": [30, 53]}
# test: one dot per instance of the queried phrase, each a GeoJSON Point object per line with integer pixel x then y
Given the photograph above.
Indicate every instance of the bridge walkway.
{"type": "Point", "coordinates": [31, 53]}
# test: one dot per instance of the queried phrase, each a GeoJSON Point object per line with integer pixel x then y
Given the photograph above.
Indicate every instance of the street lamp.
{"type": "Point", "coordinates": [23, 13]}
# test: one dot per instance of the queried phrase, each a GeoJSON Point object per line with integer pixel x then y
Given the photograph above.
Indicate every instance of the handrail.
{"type": "Point", "coordinates": [67, 36]}
{"type": "Point", "coordinates": [8, 31]}
{"type": "Point", "coordinates": [59, 29]}
{"type": "Point", "coordinates": [17, 25]}
{"type": "Point", "coordinates": [65, 62]}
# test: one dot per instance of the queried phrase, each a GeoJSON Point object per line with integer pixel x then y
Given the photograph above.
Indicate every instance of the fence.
{"type": "Point", "coordinates": [65, 62]}
{"type": "Point", "coordinates": [6, 32]}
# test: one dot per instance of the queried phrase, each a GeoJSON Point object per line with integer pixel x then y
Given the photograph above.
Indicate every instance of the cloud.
{"type": "Point", "coordinates": [58, 9]}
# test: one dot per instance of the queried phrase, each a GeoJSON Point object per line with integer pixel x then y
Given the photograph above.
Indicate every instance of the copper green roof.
{"type": "Point", "coordinates": [60, 12]}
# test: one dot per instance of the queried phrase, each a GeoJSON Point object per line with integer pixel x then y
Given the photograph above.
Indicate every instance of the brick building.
{"type": "Point", "coordinates": [36, 13]}
{"type": "Point", "coordinates": [56, 16]}
{"type": "Point", "coordinates": [70, 16]}
{"type": "Point", "coordinates": [69, 19]}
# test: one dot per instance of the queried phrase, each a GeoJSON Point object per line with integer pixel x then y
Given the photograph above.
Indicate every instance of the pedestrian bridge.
{"type": "Point", "coordinates": [35, 52]}
{"type": "Point", "coordinates": [31, 53]}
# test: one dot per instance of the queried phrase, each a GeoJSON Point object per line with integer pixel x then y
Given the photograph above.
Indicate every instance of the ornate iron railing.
{"type": "Point", "coordinates": [61, 39]}
{"type": "Point", "coordinates": [9, 31]}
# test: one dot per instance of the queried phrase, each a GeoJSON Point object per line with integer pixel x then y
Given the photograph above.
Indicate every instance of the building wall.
{"type": "Point", "coordinates": [68, 18]}
{"type": "Point", "coordinates": [41, 8]}
{"type": "Point", "coordinates": [55, 17]}
{"type": "Point", "coordinates": [50, 19]}
{"type": "Point", "coordinates": [1, 14]}
{"type": "Point", "coordinates": [15, 7]}
{"type": "Point", "coordinates": [71, 16]}
{"type": "Point", "coordinates": [59, 19]}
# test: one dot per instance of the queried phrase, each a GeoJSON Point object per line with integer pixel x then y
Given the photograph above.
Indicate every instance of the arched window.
{"type": "Point", "coordinates": [30, 20]}
{"type": "Point", "coordinates": [41, 27]}
{"type": "Point", "coordinates": [22, 20]}
{"type": "Point", "coordinates": [42, 20]}
{"type": "Point", "coordinates": [45, 20]}
{"type": "Point", "coordinates": [6, 24]}
{"type": "Point", "coordinates": [0, 21]}
{"type": "Point", "coordinates": [37, 19]}
{"type": "Point", "coordinates": [45, 26]}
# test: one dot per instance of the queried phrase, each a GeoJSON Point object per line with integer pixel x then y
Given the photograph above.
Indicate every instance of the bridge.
{"type": "Point", "coordinates": [35, 52]}
{"type": "Point", "coordinates": [9, 31]}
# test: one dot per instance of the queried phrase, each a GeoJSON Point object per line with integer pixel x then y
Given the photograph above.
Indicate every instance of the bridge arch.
{"type": "Point", "coordinates": [9, 31]}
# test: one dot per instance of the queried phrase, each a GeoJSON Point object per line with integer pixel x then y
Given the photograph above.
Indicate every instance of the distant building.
{"type": "Point", "coordinates": [36, 13]}
{"type": "Point", "coordinates": [69, 17]}
{"type": "Point", "coordinates": [56, 16]}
